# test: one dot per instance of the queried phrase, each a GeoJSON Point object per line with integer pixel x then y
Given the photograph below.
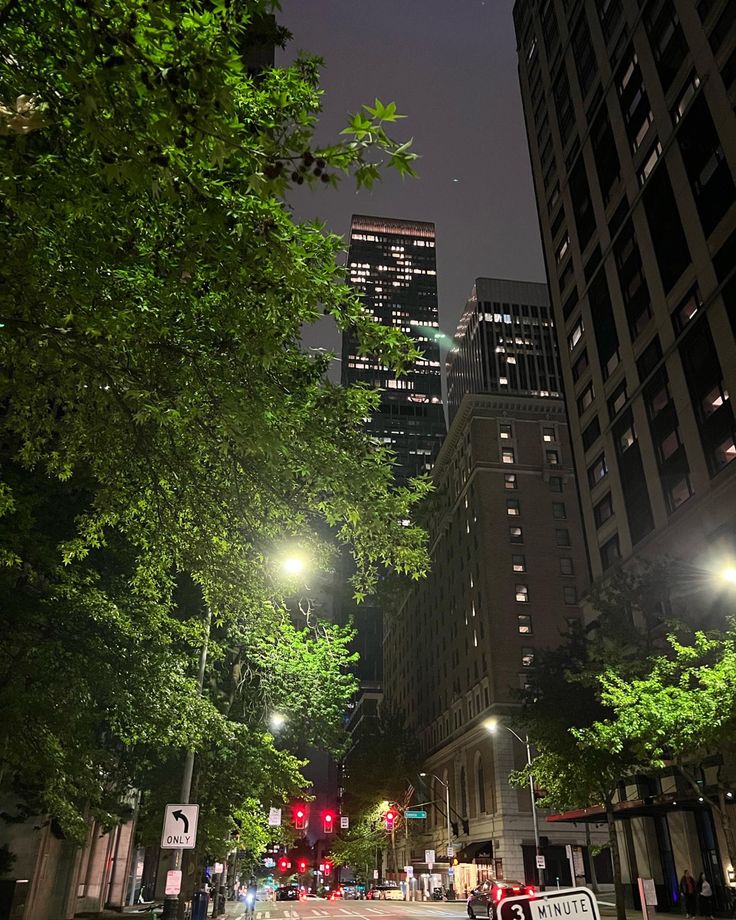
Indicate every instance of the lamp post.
{"type": "Point", "coordinates": [492, 726]}
{"type": "Point", "coordinates": [449, 830]}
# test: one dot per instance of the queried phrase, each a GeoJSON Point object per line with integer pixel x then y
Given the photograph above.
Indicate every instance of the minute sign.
{"type": "Point", "coordinates": [566, 904]}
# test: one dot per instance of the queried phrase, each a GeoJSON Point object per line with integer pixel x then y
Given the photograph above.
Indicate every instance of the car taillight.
{"type": "Point", "coordinates": [499, 894]}
{"type": "Point", "coordinates": [530, 889]}
{"type": "Point", "coordinates": [516, 888]}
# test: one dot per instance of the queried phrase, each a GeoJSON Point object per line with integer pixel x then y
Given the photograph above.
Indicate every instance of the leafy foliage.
{"type": "Point", "coordinates": [164, 434]}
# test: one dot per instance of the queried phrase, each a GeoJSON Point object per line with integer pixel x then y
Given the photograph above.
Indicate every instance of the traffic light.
{"type": "Point", "coordinates": [328, 822]}
{"type": "Point", "coordinates": [283, 864]}
{"type": "Point", "coordinates": [300, 817]}
{"type": "Point", "coordinates": [301, 865]}
{"type": "Point", "coordinates": [390, 818]}
{"type": "Point", "coordinates": [327, 867]}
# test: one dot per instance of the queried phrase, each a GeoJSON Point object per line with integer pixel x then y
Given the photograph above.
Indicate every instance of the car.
{"type": "Point", "coordinates": [385, 893]}
{"type": "Point", "coordinates": [287, 893]}
{"type": "Point", "coordinates": [483, 899]}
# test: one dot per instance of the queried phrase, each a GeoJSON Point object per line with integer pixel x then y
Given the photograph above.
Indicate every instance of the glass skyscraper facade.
{"type": "Point", "coordinates": [392, 263]}
{"type": "Point", "coordinates": [505, 343]}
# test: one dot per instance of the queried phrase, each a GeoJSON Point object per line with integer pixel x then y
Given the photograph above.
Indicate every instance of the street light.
{"type": "Point", "coordinates": [293, 565]}
{"type": "Point", "coordinates": [277, 721]}
{"type": "Point", "coordinates": [447, 809]}
{"type": "Point", "coordinates": [492, 726]}
{"type": "Point", "coordinates": [729, 574]}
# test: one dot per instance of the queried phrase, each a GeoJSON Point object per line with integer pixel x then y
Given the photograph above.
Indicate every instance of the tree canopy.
{"type": "Point", "coordinates": [165, 436]}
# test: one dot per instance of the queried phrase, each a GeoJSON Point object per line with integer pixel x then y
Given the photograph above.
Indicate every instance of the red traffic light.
{"type": "Point", "coordinates": [301, 865]}
{"type": "Point", "coordinates": [328, 822]}
{"type": "Point", "coordinates": [300, 817]}
{"type": "Point", "coordinates": [327, 868]}
{"type": "Point", "coordinates": [389, 818]}
{"type": "Point", "coordinates": [283, 864]}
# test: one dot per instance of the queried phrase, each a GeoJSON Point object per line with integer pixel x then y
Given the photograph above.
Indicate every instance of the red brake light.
{"type": "Point", "coordinates": [530, 889]}
{"type": "Point", "coordinates": [499, 893]}
{"type": "Point", "coordinates": [516, 888]}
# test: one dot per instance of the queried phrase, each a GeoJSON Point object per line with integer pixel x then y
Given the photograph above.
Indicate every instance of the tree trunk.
{"type": "Point", "coordinates": [591, 860]}
{"type": "Point", "coordinates": [618, 883]}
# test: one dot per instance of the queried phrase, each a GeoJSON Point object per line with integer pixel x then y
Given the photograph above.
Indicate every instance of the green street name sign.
{"type": "Point", "coordinates": [418, 813]}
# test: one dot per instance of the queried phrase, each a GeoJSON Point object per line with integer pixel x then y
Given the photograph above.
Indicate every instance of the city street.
{"type": "Point", "coordinates": [338, 910]}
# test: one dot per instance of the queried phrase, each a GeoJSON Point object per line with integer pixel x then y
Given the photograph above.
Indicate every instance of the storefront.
{"type": "Point", "coordinates": [473, 865]}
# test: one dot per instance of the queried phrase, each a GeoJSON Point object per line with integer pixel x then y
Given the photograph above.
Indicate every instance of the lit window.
{"type": "Point", "coordinates": [522, 594]}
{"type": "Point", "coordinates": [586, 398]}
{"type": "Point", "coordinates": [548, 435]}
{"type": "Point", "coordinates": [509, 481]}
{"type": "Point", "coordinates": [553, 458]}
{"type": "Point", "coordinates": [678, 492]}
{"type": "Point", "coordinates": [518, 563]}
{"type": "Point", "coordinates": [575, 335]}
{"type": "Point", "coordinates": [513, 507]}
{"type": "Point", "coordinates": [714, 400]}
{"type": "Point", "coordinates": [516, 535]}
{"type": "Point", "coordinates": [725, 452]}
{"type": "Point", "coordinates": [597, 470]}
{"type": "Point", "coordinates": [507, 456]}
{"type": "Point", "coordinates": [505, 431]}
{"type": "Point", "coordinates": [525, 624]}
{"type": "Point", "coordinates": [527, 658]}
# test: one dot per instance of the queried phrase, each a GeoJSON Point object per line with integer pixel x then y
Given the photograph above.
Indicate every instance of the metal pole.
{"type": "Point", "coordinates": [449, 836]}
{"type": "Point", "coordinates": [171, 902]}
{"type": "Point", "coordinates": [540, 872]}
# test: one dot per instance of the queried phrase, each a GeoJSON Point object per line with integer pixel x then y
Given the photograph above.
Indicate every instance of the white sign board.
{"type": "Point", "coordinates": [344, 821]}
{"type": "Point", "coordinates": [274, 817]}
{"type": "Point", "coordinates": [541, 861]}
{"type": "Point", "coordinates": [218, 868]}
{"type": "Point", "coordinates": [375, 873]}
{"type": "Point", "coordinates": [409, 871]}
{"type": "Point", "coordinates": [173, 881]}
{"type": "Point", "coordinates": [429, 858]}
{"type": "Point", "coordinates": [450, 852]}
{"type": "Point", "coordinates": [180, 827]}
{"type": "Point", "coordinates": [566, 904]}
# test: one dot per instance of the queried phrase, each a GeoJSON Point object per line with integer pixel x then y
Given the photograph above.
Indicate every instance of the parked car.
{"type": "Point", "coordinates": [483, 899]}
{"type": "Point", "coordinates": [385, 893]}
{"type": "Point", "coordinates": [287, 893]}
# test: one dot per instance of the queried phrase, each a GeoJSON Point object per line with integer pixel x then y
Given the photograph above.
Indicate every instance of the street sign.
{"type": "Point", "coordinates": [218, 868]}
{"type": "Point", "coordinates": [451, 852]}
{"type": "Point", "coordinates": [344, 821]}
{"type": "Point", "coordinates": [274, 817]}
{"type": "Point", "coordinates": [409, 870]}
{"type": "Point", "coordinates": [429, 858]}
{"type": "Point", "coordinates": [375, 873]}
{"type": "Point", "coordinates": [173, 881]}
{"type": "Point", "coordinates": [566, 904]}
{"type": "Point", "coordinates": [180, 827]}
{"type": "Point", "coordinates": [415, 813]}
{"type": "Point", "coordinates": [541, 861]}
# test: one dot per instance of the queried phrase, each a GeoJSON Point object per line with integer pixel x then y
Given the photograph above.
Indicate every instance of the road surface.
{"type": "Point", "coordinates": [319, 909]}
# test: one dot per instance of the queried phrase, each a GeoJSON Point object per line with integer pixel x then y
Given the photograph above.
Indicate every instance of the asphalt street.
{"type": "Point", "coordinates": [341, 910]}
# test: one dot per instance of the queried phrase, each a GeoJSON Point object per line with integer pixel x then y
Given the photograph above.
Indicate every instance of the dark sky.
{"type": "Point", "coordinates": [450, 65]}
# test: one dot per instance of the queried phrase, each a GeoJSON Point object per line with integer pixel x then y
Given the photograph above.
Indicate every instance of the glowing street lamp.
{"type": "Point", "coordinates": [277, 721]}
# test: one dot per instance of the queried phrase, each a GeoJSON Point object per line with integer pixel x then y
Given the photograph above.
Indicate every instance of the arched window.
{"type": "Point", "coordinates": [463, 793]}
{"type": "Point", "coordinates": [481, 783]}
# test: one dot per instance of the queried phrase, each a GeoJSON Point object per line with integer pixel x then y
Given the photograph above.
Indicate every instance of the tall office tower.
{"type": "Point", "coordinates": [508, 565]}
{"type": "Point", "coordinates": [629, 108]}
{"type": "Point", "coordinates": [632, 133]}
{"type": "Point", "coordinates": [505, 343]}
{"type": "Point", "coordinates": [392, 263]}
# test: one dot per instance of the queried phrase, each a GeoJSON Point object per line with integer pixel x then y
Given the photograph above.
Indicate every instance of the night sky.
{"type": "Point", "coordinates": [450, 65]}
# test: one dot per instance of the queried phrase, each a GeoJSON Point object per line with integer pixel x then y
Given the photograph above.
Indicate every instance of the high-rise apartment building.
{"type": "Point", "coordinates": [629, 109]}
{"type": "Point", "coordinates": [505, 343]}
{"type": "Point", "coordinates": [392, 263]}
{"type": "Point", "coordinates": [508, 567]}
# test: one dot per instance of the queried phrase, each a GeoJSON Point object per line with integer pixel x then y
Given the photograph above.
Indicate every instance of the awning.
{"type": "Point", "coordinates": [633, 808]}
{"type": "Point", "coordinates": [476, 852]}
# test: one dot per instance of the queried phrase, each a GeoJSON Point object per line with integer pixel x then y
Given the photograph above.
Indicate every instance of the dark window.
{"type": "Point", "coordinates": [570, 303]}
{"type": "Point", "coordinates": [593, 262]}
{"type": "Point", "coordinates": [555, 483]}
{"type": "Point", "coordinates": [597, 470]}
{"type": "Point", "coordinates": [550, 31]}
{"type": "Point", "coordinates": [687, 309]}
{"type": "Point", "coordinates": [723, 26]}
{"type": "Point", "coordinates": [706, 165]}
{"type": "Point", "coordinates": [570, 594]}
{"type": "Point", "coordinates": [580, 366]}
{"type": "Point", "coordinates": [525, 624]}
{"type": "Point", "coordinates": [631, 278]}
{"type": "Point", "coordinates": [603, 511]}
{"type": "Point", "coordinates": [585, 399]}
{"type": "Point", "coordinates": [668, 42]}
{"type": "Point", "coordinates": [677, 491]}
{"type": "Point", "coordinates": [665, 226]}
{"type": "Point", "coordinates": [552, 457]}
{"type": "Point", "coordinates": [610, 553]}
{"type": "Point", "coordinates": [617, 400]}
{"type": "Point", "coordinates": [631, 475]}
{"type": "Point", "coordinates": [604, 153]}
{"type": "Point", "coordinates": [563, 105]}
{"type": "Point", "coordinates": [566, 566]}
{"type": "Point", "coordinates": [480, 779]}
{"type": "Point", "coordinates": [657, 395]}
{"type": "Point", "coordinates": [604, 324]}
{"type": "Point", "coordinates": [582, 206]}
{"type": "Point", "coordinates": [591, 433]}
{"type": "Point", "coordinates": [509, 481]}
{"type": "Point", "coordinates": [609, 13]}
{"type": "Point", "coordinates": [649, 359]}
{"type": "Point", "coordinates": [559, 512]}
{"type": "Point", "coordinates": [584, 54]}
{"type": "Point", "coordinates": [562, 537]}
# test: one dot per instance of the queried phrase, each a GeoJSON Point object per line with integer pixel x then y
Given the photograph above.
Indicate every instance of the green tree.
{"type": "Point", "coordinates": [164, 434]}
{"type": "Point", "coordinates": [359, 846]}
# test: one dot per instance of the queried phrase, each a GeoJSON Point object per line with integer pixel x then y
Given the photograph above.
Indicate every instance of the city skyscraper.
{"type": "Point", "coordinates": [505, 343]}
{"type": "Point", "coordinates": [629, 110]}
{"type": "Point", "coordinates": [392, 263]}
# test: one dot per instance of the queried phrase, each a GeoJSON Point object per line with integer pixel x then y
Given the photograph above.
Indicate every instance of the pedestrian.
{"type": "Point", "coordinates": [688, 892]}
{"type": "Point", "coordinates": [705, 895]}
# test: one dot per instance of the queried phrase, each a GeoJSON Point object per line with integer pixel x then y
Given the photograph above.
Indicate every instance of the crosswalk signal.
{"type": "Point", "coordinates": [328, 822]}
{"type": "Point", "coordinates": [390, 818]}
{"type": "Point", "coordinates": [283, 864]}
